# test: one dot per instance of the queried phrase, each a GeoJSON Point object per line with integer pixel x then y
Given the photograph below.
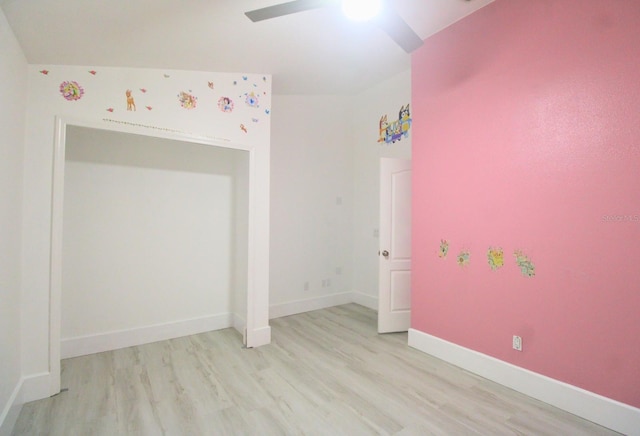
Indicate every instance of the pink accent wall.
{"type": "Point", "coordinates": [526, 136]}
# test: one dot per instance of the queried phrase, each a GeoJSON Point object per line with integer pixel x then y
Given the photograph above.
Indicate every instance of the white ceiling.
{"type": "Point", "coordinates": [313, 52]}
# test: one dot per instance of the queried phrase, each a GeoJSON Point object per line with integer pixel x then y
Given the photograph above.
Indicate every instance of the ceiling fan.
{"type": "Point", "coordinates": [388, 19]}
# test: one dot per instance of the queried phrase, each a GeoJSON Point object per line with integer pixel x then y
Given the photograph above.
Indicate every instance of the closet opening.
{"type": "Point", "coordinates": [151, 239]}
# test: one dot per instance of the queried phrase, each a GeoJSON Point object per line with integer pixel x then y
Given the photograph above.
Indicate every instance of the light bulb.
{"type": "Point", "coordinates": [361, 10]}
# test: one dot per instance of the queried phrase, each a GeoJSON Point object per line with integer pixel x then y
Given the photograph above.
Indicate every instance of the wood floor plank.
{"type": "Point", "coordinates": [326, 372]}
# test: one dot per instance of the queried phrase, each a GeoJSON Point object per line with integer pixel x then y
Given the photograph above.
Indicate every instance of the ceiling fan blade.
{"type": "Point", "coordinates": [286, 8]}
{"type": "Point", "coordinates": [398, 30]}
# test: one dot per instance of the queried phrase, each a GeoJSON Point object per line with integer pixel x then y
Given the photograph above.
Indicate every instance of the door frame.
{"type": "Point", "coordinates": [255, 332]}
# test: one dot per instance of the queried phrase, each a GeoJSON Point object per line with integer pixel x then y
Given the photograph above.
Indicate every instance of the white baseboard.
{"type": "Point", "coordinates": [301, 306]}
{"type": "Point", "coordinates": [30, 388]}
{"type": "Point", "coordinates": [239, 323]}
{"type": "Point", "coordinates": [11, 411]}
{"type": "Point", "coordinates": [365, 300]}
{"type": "Point", "coordinates": [588, 405]}
{"type": "Point", "coordinates": [261, 336]}
{"type": "Point", "coordinates": [35, 387]}
{"type": "Point", "coordinates": [82, 345]}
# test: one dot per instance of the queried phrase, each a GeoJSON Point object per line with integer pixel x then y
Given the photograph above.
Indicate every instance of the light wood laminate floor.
{"type": "Point", "coordinates": [326, 372]}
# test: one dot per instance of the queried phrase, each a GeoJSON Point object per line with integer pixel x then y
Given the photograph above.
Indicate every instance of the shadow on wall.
{"type": "Point", "coordinates": [134, 151]}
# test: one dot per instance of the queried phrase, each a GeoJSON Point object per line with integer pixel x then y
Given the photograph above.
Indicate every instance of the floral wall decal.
{"type": "Point", "coordinates": [463, 258]}
{"type": "Point", "coordinates": [495, 257]}
{"type": "Point", "coordinates": [527, 268]}
{"type": "Point", "coordinates": [247, 103]}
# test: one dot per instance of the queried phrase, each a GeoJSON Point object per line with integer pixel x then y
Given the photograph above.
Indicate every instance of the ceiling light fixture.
{"type": "Point", "coordinates": [361, 10]}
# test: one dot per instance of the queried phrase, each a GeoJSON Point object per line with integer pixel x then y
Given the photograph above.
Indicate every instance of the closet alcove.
{"type": "Point", "coordinates": [154, 239]}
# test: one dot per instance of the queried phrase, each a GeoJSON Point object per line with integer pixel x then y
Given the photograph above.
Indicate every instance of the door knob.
{"type": "Point", "coordinates": [385, 253]}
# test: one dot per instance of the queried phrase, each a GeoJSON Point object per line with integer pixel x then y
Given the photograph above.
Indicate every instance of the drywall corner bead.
{"type": "Point", "coordinates": [164, 129]}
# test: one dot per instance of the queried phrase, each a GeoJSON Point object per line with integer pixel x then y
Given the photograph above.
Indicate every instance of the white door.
{"type": "Point", "coordinates": [394, 297]}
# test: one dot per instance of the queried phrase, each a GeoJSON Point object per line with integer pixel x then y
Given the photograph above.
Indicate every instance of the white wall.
{"type": "Point", "coordinates": [13, 76]}
{"type": "Point", "coordinates": [159, 113]}
{"type": "Point", "coordinates": [384, 99]}
{"type": "Point", "coordinates": [311, 203]}
{"type": "Point", "coordinates": [148, 236]}
{"type": "Point", "coordinates": [324, 151]}
{"type": "Point", "coordinates": [324, 197]}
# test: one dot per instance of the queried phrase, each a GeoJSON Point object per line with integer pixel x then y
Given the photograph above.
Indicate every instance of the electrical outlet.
{"type": "Point", "coordinates": [517, 343]}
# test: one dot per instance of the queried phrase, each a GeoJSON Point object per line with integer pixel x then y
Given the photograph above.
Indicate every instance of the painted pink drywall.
{"type": "Point", "coordinates": [526, 136]}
